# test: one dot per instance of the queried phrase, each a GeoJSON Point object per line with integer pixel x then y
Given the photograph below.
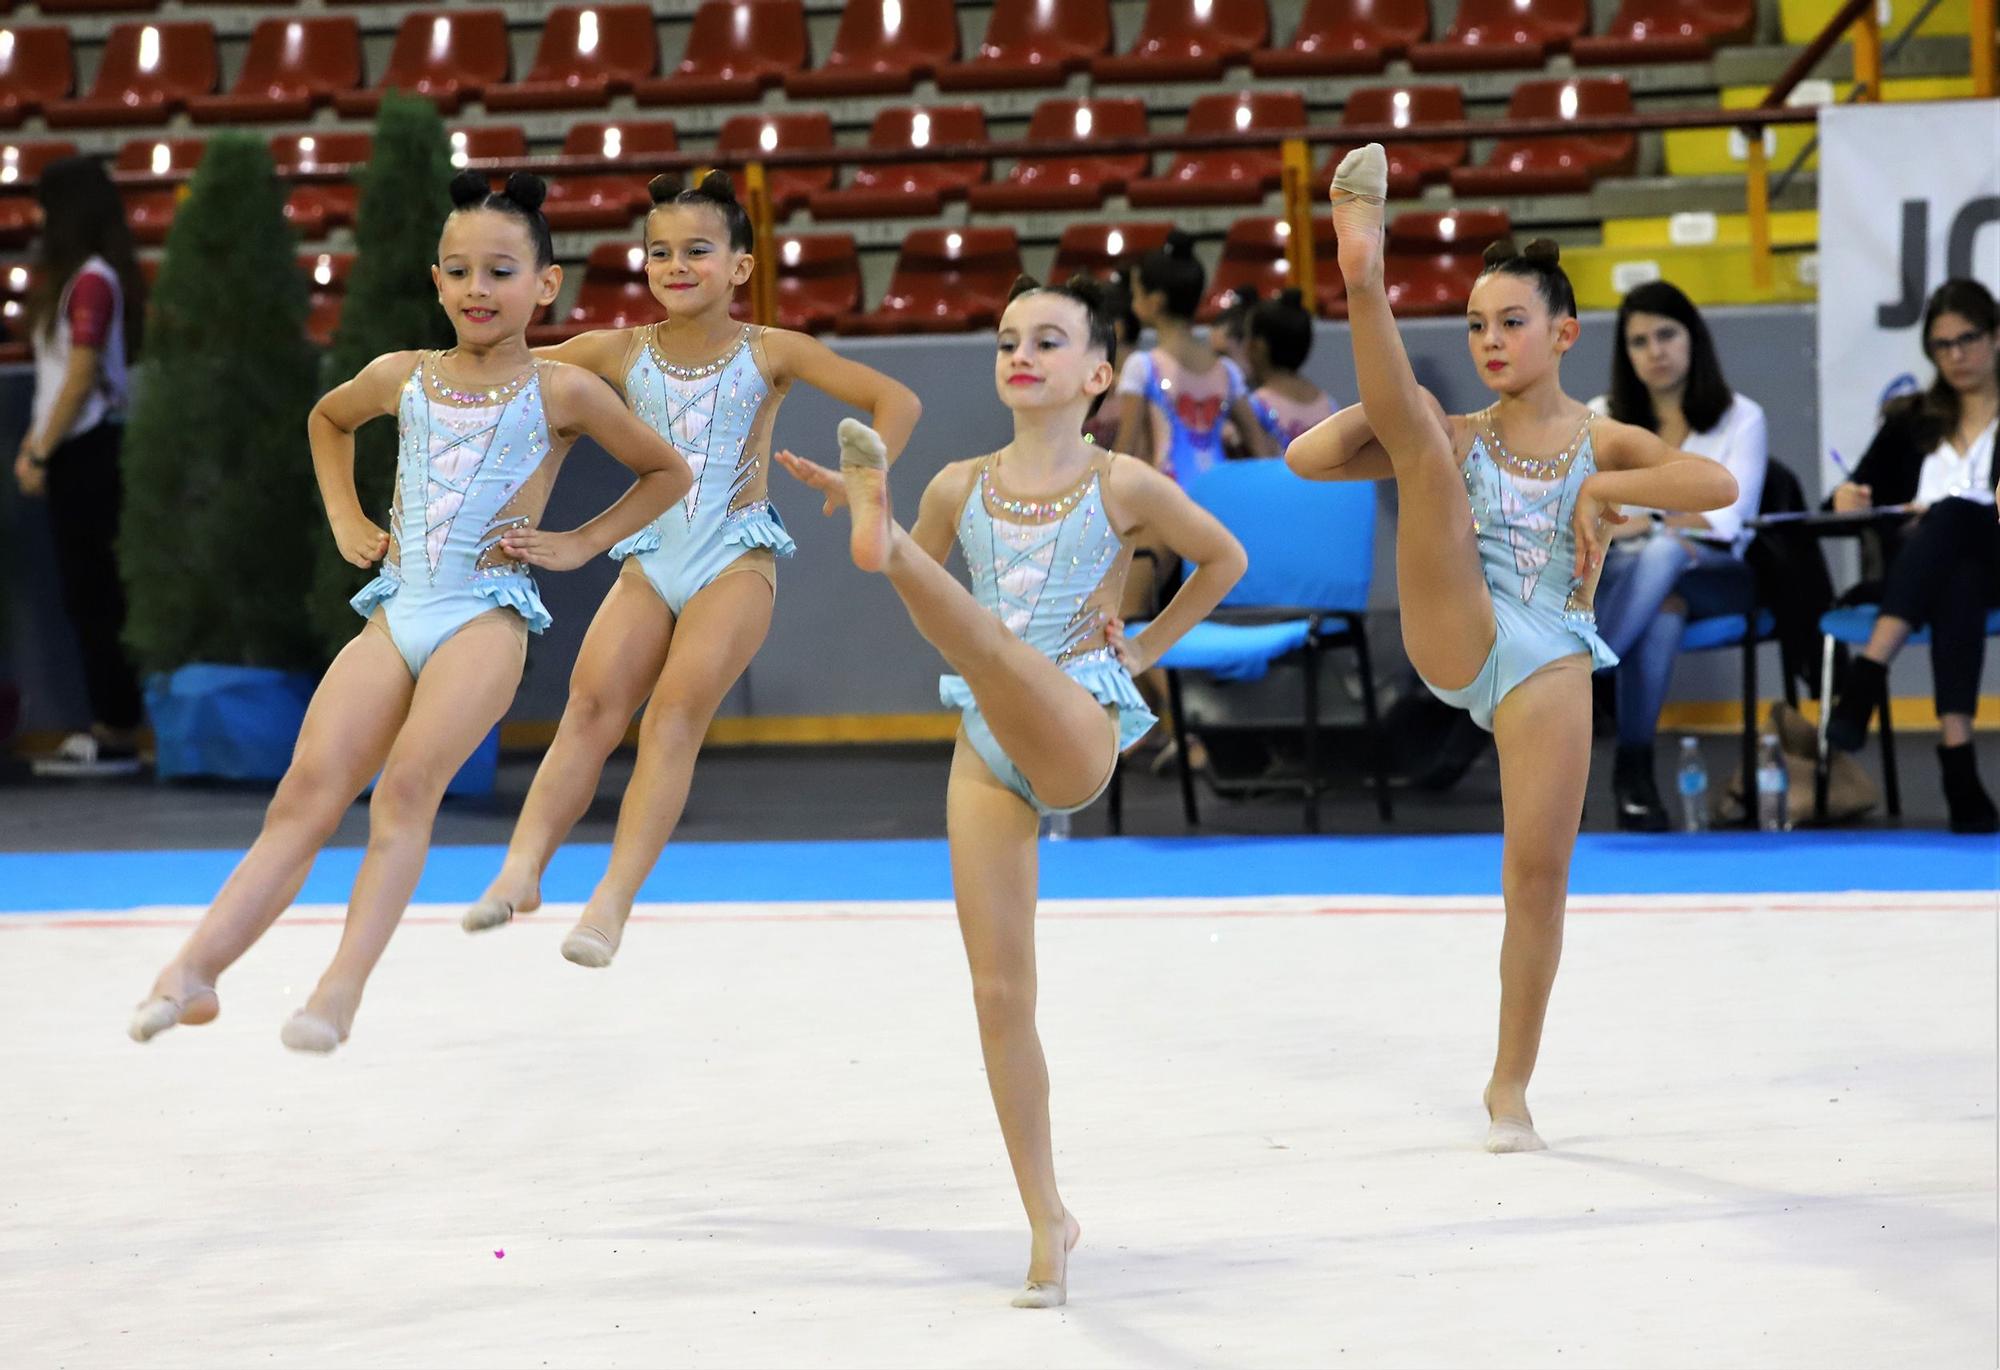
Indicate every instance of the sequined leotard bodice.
{"type": "Point", "coordinates": [719, 415]}
{"type": "Point", "coordinates": [469, 466]}
{"type": "Point", "coordinates": [1052, 570]}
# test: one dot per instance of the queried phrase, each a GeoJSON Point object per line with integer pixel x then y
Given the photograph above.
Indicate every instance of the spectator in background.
{"type": "Point", "coordinates": [1281, 338]}
{"type": "Point", "coordinates": [1230, 333]}
{"type": "Point", "coordinates": [1663, 570]}
{"type": "Point", "coordinates": [85, 309]}
{"type": "Point", "coordinates": [1934, 455]}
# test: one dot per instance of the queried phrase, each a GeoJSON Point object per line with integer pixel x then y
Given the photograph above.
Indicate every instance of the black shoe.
{"type": "Point", "coordinates": [1965, 799]}
{"type": "Point", "coordinates": [1463, 743]}
{"type": "Point", "coordinates": [1637, 798]}
{"type": "Point", "coordinates": [1847, 725]}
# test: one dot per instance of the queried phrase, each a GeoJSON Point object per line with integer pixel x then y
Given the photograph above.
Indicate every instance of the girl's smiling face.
{"type": "Point", "coordinates": [1044, 357]}
{"type": "Point", "coordinates": [690, 265]}
{"type": "Point", "coordinates": [1514, 339]}
{"type": "Point", "coordinates": [486, 276]}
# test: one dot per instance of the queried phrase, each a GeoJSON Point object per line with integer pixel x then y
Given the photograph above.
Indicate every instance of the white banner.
{"type": "Point", "coordinates": [1909, 196]}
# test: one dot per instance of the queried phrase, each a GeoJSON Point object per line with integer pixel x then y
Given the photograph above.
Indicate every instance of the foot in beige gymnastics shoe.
{"type": "Point", "coordinates": [1360, 188]}
{"type": "Point", "coordinates": [487, 913]}
{"type": "Point", "coordinates": [1363, 174]}
{"type": "Point", "coordinates": [1052, 1293]}
{"type": "Point", "coordinates": [160, 1012]}
{"type": "Point", "coordinates": [1505, 1135]}
{"type": "Point", "coordinates": [864, 467]}
{"type": "Point", "coordinates": [307, 1031]}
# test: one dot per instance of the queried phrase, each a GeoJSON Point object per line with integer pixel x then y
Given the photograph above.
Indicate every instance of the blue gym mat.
{"type": "Point", "coordinates": [1119, 867]}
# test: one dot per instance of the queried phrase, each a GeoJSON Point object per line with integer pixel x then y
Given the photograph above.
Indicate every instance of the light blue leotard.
{"type": "Point", "coordinates": [719, 416]}
{"type": "Point", "coordinates": [465, 473]}
{"type": "Point", "coordinates": [1052, 571]}
{"type": "Point", "coordinates": [1521, 510]}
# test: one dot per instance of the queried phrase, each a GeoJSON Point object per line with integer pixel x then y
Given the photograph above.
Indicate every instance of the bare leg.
{"type": "Point", "coordinates": [615, 669]}
{"type": "Point", "coordinates": [1542, 728]}
{"type": "Point", "coordinates": [1446, 607]}
{"type": "Point", "coordinates": [348, 727]}
{"type": "Point", "coordinates": [993, 869]}
{"type": "Point", "coordinates": [466, 687]}
{"type": "Point", "coordinates": [719, 632]}
{"type": "Point", "coordinates": [1049, 726]}
{"type": "Point", "coordinates": [1887, 639]}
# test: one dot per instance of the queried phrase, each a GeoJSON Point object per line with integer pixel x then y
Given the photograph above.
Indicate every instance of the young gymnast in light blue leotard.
{"type": "Point", "coordinates": [1043, 667]}
{"type": "Point", "coordinates": [1500, 538]}
{"type": "Point", "coordinates": [693, 599]}
{"type": "Point", "coordinates": [482, 430]}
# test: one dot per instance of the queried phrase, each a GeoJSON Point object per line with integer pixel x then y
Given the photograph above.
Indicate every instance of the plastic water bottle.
{"type": "Point", "coordinates": [1694, 787]}
{"type": "Point", "coordinates": [1774, 783]}
{"type": "Point", "coordinates": [1055, 827]}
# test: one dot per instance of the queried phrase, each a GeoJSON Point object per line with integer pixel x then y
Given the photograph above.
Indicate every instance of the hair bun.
{"type": "Point", "coordinates": [1543, 252]}
{"type": "Point", "coordinates": [527, 190]}
{"type": "Point", "coordinates": [1500, 250]}
{"type": "Point", "coordinates": [469, 188]}
{"type": "Point", "coordinates": [717, 186]}
{"type": "Point", "coordinates": [665, 187]}
{"type": "Point", "coordinates": [1291, 297]}
{"type": "Point", "coordinates": [1024, 284]}
{"type": "Point", "coordinates": [1180, 243]}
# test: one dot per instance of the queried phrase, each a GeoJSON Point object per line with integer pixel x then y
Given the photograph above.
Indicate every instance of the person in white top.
{"type": "Point", "coordinates": [1933, 455]}
{"type": "Point", "coordinates": [85, 306]}
{"type": "Point", "coordinates": [1663, 570]}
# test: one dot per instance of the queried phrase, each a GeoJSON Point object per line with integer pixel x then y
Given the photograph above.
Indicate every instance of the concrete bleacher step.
{"type": "Point", "coordinates": [1794, 228]}
{"type": "Point", "coordinates": [1722, 151]}
{"type": "Point", "coordinates": [1716, 274]}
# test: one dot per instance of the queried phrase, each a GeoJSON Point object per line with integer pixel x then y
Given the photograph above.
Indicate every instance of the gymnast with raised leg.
{"type": "Point", "coordinates": [1499, 543]}
{"type": "Point", "coordinates": [482, 429]}
{"type": "Point", "coordinates": [693, 601]}
{"type": "Point", "coordinates": [1044, 669]}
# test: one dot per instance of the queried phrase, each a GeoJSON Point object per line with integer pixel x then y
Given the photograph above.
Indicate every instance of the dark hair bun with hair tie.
{"type": "Point", "coordinates": [665, 187]}
{"type": "Point", "coordinates": [717, 186]}
{"type": "Point", "coordinates": [1024, 284]}
{"type": "Point", "coordinates": [1500, 250]}
{"type": "Point", "coordinates": [527, 190]}
{"type": "Point", "coordinates": [1291, 297]}
{"type": "Point", "coordinates": [1543, 252]}
{"type": "Point", "coordinates": [1180, 243]}
{"type": "Point", "coordinates": [469, 188]}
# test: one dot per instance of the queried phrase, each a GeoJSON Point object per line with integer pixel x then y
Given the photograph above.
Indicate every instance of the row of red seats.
{"type": "Point", "coordinates": [902, 189]}
{"type": "Point", "coordinates": [738, 49]}
{"type": "Point", "coordinates": [952, 279]}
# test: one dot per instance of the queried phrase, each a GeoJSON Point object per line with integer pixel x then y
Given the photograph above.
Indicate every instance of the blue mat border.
{"type": "Point", "coordinates": [1101, 868]}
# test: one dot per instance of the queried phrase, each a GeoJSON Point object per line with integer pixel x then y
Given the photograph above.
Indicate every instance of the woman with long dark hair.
{"type": "Point", "coordinates": [1664, 569]}
{"type": "Point", "coordinates": [1934, 454]}
{"type": "Point", "coordinates": [85, 309]}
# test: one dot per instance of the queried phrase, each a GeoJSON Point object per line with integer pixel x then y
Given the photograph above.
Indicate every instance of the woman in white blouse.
{"type": "Point", "coordinates": [1933, 455]}
{"type": "Point", "coordinates": [1665, 569]}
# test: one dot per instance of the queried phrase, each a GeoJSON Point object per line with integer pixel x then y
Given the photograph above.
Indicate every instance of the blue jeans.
{"type": "Point", "coordinates": [1639, 574]}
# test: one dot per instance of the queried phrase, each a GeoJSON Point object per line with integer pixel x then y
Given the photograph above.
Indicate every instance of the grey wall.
{"type": "Point", "coordinates": [841, 643]}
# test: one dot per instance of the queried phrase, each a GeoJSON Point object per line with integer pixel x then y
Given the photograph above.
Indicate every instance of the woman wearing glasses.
{"type": "Point", "coordinates": [1934, 453]}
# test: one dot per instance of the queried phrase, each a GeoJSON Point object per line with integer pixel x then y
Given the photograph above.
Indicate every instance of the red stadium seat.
{"type": "Point", "coordinates": [1347, 37]}
{"type": "Point", "coordinates": [1564, 164]}
{"type": "Point", "coordinates": [97, 6]}
{"type": "Point", "coordinates": [1100, 249]}
{"type": "Point", "coordinates": [21, 161]}
{"type": "Point", "coordinates": [882, 47]}
{"type": "Point", "coordinates": [326, 277]}
{"type": "Point", "coordinates": [1667, 31]}
{"type": "Point", "coordinates": [318, 206]}
{"type": "Point", "coordinates": [446, 56]}
{"type": "Point", "coordinates": [1253, 254]}
{"type": "Point", "coordinates": [35, 71]}
{"type": "Point", "coordinates": [151, 212]}
{"type": "Point", "coordinates": [819, 281]}
{"type": "Point", "coordinates": [486, 142]}
{"type": "Point", "coordinates": [1494, 34]}
{"type": "Point", "coordinates": [1189, 40]}
{"type": "Point", "coordinates": [587, 54]}
{"type": "Point", "coordinates": [148, 72]}
{"type": "Point", "coordinates": [947, 280]}
{"type": "Point", "coordinates": [1225, 176]}
{"type": "Point", "coordinates": [790, 187]}
{"type": "Point", "coordinates": [292, 65]}
{"type": "Point", "coordinates": [1431, 259]}
{"type": "Point", "coordinates": [1070, 182]}
{"type": "Point", "coordinates": [606, 200]}
{"type": "Point", "coordinates": [614, 294]}
{"type": "Point", "coordinates": [900, 189]}
{"type": "Point", "coordinates": [1412, 166]}
{"type": "Point", "coordinates": [737, 50]}
{"type": "Point", "coordinates": [1033, 43]}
